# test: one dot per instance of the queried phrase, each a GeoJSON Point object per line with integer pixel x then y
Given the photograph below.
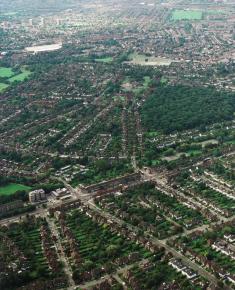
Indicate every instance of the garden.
{"type": "Point", "coordinates": [153, 210]}
{"type": "Point", "coordinates": [200, 245]}
{"type": "Point", "coordinates": [24, 256]}
{"type": "Point", "coordinates": [217, 198]}
{"type": "Point", "coordinates": [98, 248]}
{"type": "Point", "coordinates": [157, 275]}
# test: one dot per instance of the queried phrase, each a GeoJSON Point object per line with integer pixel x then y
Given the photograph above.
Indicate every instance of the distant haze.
{"type": "Point", "coordinates": [6, 5]}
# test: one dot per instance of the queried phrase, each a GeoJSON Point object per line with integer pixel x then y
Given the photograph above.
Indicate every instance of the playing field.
{"type": "Point", "coordinates": [3, 87]}
{"type": "Point", "coordinates": [12, 188]}
{"type": "Point", "coordinates": [10, 76]}
{"type": "Point", "coordinates": [6, 72]}
{"type": "Point", "coordinates": [187, 15]}
{"type": "Point", "coordinates": [20, 77]}
{"type": "Point", "coordinates": [105, 59]}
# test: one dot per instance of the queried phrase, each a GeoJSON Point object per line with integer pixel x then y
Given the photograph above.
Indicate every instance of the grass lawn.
{"type": "Point", "coordinates": [186, 15]}
{"type": "Point", "coordinates": [3, 86]}
{"type": "Point", "coordinates": [94, 240]}
{"type": "Point", "coordinates": [152, 134]}
{"type": "Point", "coordinates": [12, 188]}
{"type": "Point", "coordinates": [145, 85]}
{"type": "Point", "coordinates": [137, 57]}
{"type": "Point", "coordinates": [20, 77]}
{"type": "Point", "coordinates": [121, 98]}
{"type": "Point", "coordinates": [11, 76]}
{"type": "Point", "coordinates": [155, 162]}
{"type": "Point", "coordinates": [6, 72]}
{"type": "Point", "coordinates": [129, 87]}
{"type": "Point", "coordinates": [105, 59]}
{"type": "Point", "coordinates": [194, 152]}
{"type": "Point", "coordinates": [163, 80]}
{"type": "Point", "coordinates": [147, 81]}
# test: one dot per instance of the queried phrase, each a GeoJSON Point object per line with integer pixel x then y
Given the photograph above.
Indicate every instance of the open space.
{"type": "Point", "coordinates": [44, 48]}
{"type": "Point", "coordinates": [3, 86]}
{"type": "Point", "coordinates": [6, 72]}
{"type": "Point", "coordinates": [12, 188]}
{"type": "Point", "coordinates": [141, 59]}
{"type": "Point", "coordinates": [104, 60]}
{"type": "Point", "coordinates": [187, 15]}
{"type": "Point", "coordinates": [21, 76]}
{"type": "Point", "coordinates": [9, 76]}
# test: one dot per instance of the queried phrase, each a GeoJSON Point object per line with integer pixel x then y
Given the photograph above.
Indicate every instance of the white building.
{"type": "Point", "coordinates": [37, 195]}
{"type": "Point", "coordinates": [60, 193]}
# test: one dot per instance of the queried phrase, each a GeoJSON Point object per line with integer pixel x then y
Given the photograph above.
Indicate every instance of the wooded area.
{"type": "Point", "coordinates": [176, 108]}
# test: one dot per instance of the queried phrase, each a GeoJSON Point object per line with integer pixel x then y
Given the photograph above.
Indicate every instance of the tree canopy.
{"type": "Point", "coordinates": [176, 108]}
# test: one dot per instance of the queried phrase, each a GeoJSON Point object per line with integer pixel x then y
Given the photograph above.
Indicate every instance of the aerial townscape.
{"type": "Point", "coordinates": [117, 144]}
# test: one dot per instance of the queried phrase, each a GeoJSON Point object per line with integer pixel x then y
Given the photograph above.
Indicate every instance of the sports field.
{"type": "Point", "coordinates": [12, 188]}
{"type": "Point", "coordinates": [187, 15]}
{"type": "Point", "coordinates": [105, 59]}
{"type": "Point", "coordinates": [9, 76]}
{"type": "Point", "coordinates": [6, 72]}
{"type": "Point", "coordinates": [3, 86]}
{"type": "Point", "coordinates": [20, 77]}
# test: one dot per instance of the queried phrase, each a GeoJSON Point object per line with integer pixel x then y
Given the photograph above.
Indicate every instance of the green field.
{"type": "Point", "coordinates": [152, 134]}
{"type": "Point", "coordinates": [6, 72]}
{"type": "Point", "coordinates": [164, 80]}
{"type": "Point", "coordinates": [20, 77]}
{"type": "Point", "coordinates": [12, 188]}
{"type": "Point", "coordinates": [3, 86]}
{"type": "Point", "coordinates": [147, 81]}
{"type": "Point", "coordinates": [12, 76]}
{"type": "Point", "coordinates": [187, 15]}
{"type": "Point", "coordinates": [105, 59]}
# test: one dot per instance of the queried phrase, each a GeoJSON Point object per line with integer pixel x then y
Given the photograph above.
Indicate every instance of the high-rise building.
{"type": "Point", "coordinates": [37, 195]}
